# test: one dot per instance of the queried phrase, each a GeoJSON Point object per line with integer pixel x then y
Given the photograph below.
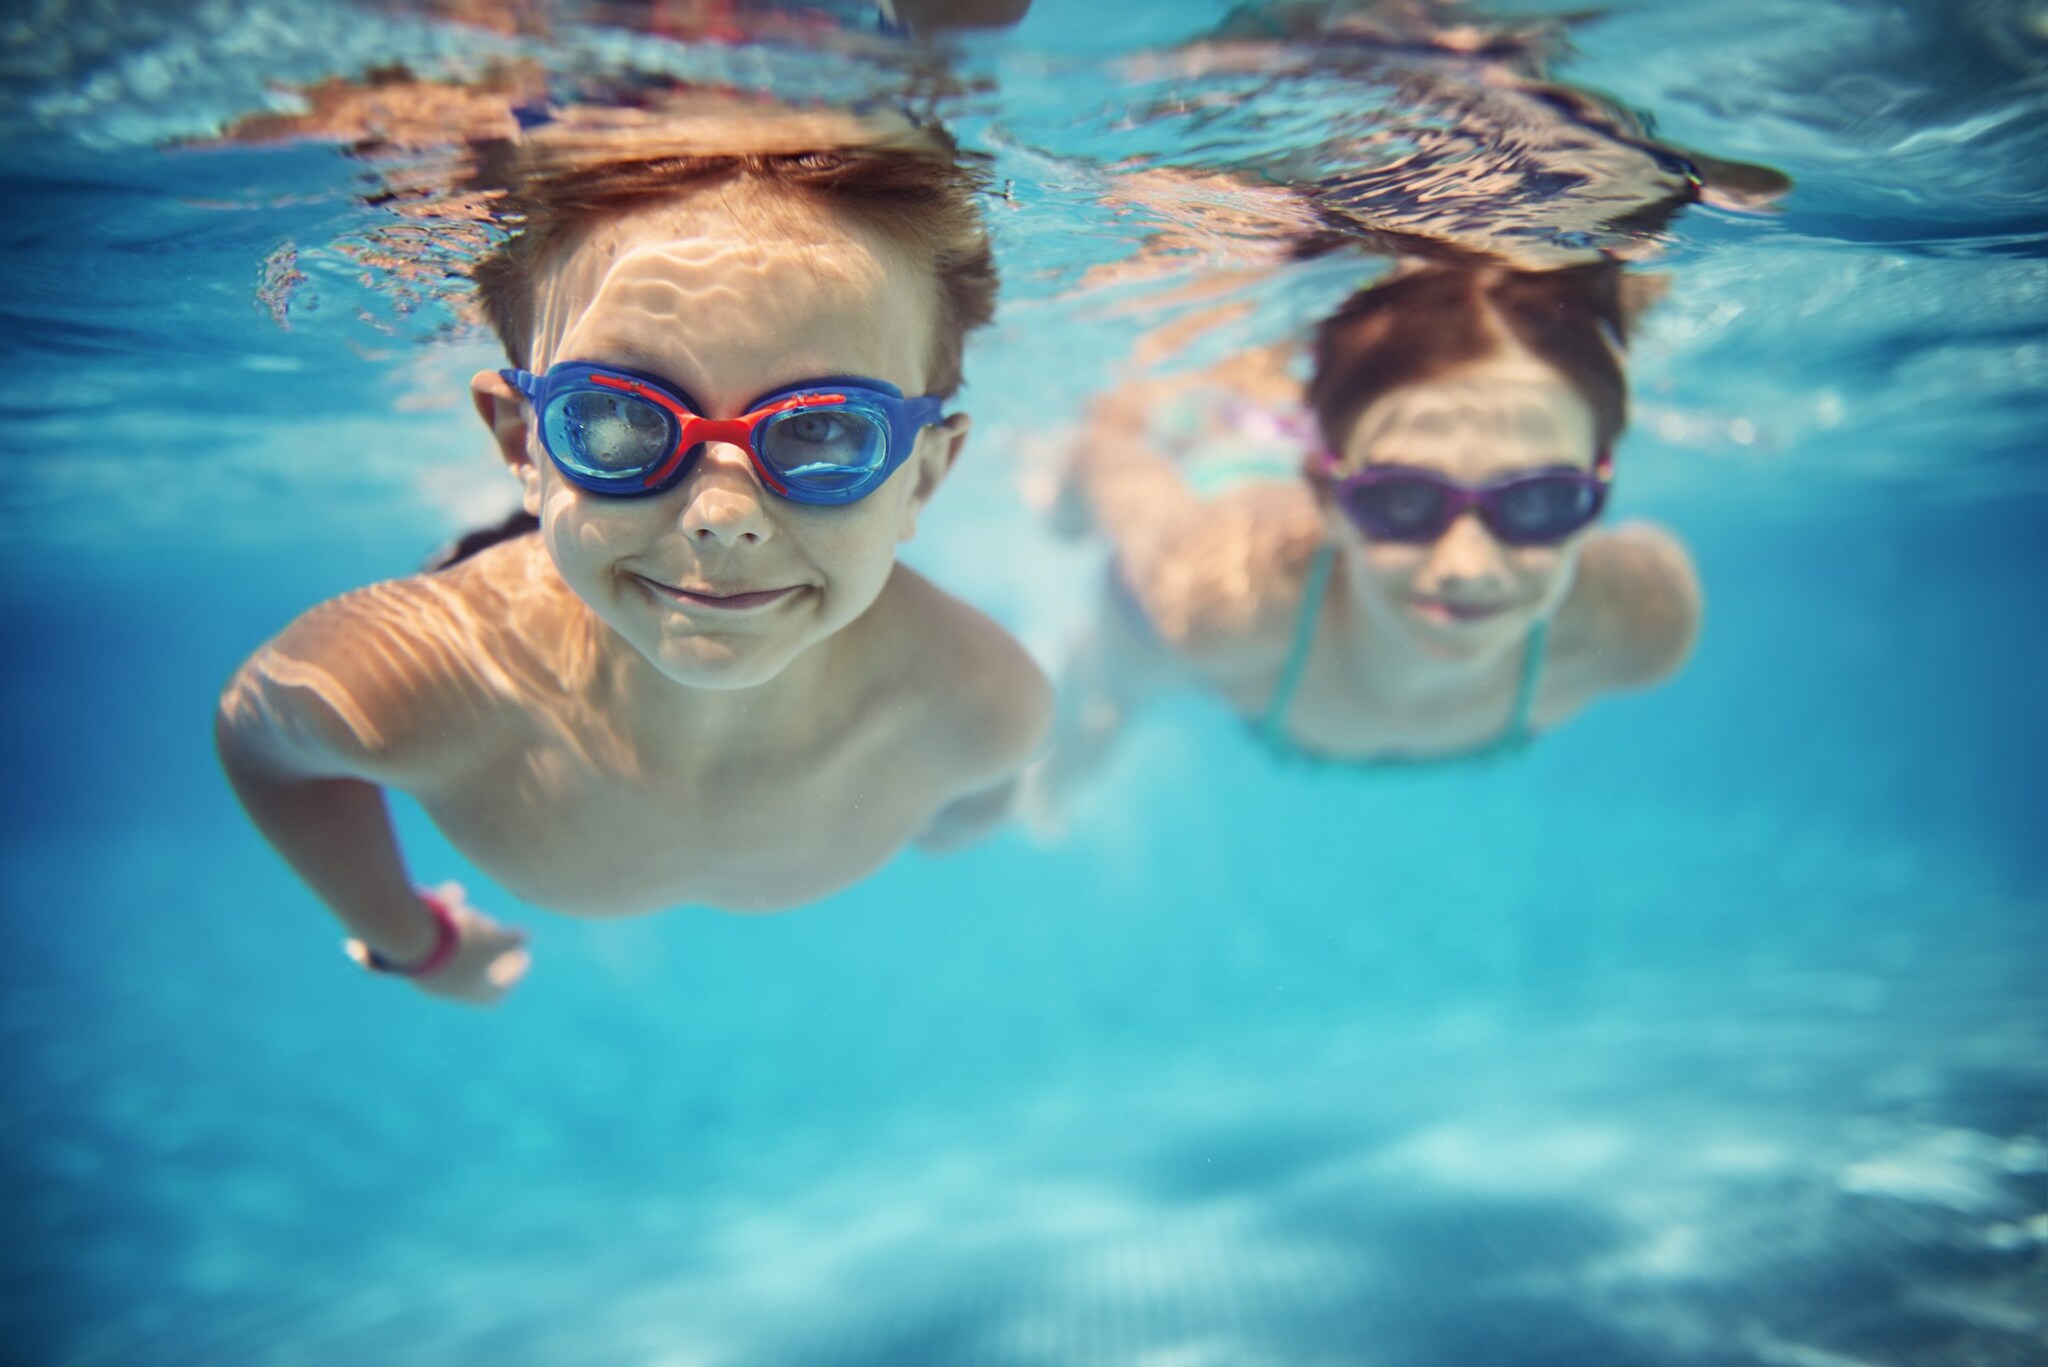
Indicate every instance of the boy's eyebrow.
{"type": "Point", "coordinates": [626, 356]}
{"type": "Point", "coordinates": [636, 361]}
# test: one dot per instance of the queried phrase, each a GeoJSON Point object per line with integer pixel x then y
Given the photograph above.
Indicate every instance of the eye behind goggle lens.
{"type": "Point", "coordinates": [1400, 509]}
{"type": "Point", "coordinates": [607, 436]}
{"type": "Point", "coordinates": [1544, 508]}
{"type": "Point", "coordinates": [825, 449]}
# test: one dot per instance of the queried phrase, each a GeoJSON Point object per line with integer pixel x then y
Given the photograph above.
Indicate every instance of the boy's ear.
{"type": "Point", "coordinates": [937, 448]}
{"type": "Point", "coordinates": [504, 411]}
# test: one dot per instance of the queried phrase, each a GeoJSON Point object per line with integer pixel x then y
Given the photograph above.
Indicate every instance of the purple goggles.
{"type": "Point", "coordinates": [1407, 504]}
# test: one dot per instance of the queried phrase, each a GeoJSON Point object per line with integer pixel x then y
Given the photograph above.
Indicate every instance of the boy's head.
{"type": "Point", "coordinates": [724, 277]}
{"type": "Point", "coordinates": [873, 173]}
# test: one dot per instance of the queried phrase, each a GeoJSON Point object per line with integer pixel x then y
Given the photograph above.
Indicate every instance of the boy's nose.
{"type": "Point", "coordinates": [724, 503]}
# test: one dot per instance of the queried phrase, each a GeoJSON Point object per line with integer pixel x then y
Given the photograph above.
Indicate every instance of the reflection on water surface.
{"type": "Point", "coordinates": [1462, 685]}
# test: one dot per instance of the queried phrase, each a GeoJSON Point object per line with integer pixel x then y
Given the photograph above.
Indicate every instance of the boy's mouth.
{"type": "Point", "coordinates": [730, 600]}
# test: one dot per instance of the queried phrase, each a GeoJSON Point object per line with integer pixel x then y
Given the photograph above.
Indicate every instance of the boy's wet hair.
{"type": "Point", "coordinates": [909, 186]}
{"type": "Point", "coordinates": [1426, 323]}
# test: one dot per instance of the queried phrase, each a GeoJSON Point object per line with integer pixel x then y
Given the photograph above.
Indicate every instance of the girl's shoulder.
{"type": "Point", "coordinates": [1634, 611]}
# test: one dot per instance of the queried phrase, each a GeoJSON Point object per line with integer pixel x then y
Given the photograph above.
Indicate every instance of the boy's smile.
{"type": "Point", "coordinates": [729, 600]}
{"type": "Point", "coordinates": [726, 293]}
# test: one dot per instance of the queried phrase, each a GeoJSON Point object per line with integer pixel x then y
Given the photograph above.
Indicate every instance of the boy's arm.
{"type": "Point", "coordinates": [999, 713]}
{"type": "Point", "coordinates": [308, 732]}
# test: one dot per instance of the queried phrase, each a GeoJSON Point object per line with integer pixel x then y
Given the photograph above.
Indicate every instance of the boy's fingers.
{"type": "Point", "coordinates": [507, 969]}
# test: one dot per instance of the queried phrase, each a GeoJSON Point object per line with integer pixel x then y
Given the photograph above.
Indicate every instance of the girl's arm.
{"type": "Point", "coordinates": [1205, 571]}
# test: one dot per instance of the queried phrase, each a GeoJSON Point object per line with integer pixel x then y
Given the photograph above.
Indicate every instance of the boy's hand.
{"type": "Point", "coordinates": [489, 961]}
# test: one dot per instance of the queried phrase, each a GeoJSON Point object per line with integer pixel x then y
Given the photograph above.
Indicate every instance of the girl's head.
{"type": "Point", "coordinates": [1448, 380]}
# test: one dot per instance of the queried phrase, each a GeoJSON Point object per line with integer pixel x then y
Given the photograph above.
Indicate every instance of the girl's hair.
{"type": "Point", "coordinates": [907, 185]}
{"type": "Point", "coordinates": [1423, 324]}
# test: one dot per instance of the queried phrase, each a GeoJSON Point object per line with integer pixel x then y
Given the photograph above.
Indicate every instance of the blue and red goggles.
{"type": "Point", "coordinates": [826, 442]}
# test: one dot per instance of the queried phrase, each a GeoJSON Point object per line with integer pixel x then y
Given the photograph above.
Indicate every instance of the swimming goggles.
{"type": "Point", "coordinates": [615, 431]}
{"type": "Point", "coordinates": [1403, 503]}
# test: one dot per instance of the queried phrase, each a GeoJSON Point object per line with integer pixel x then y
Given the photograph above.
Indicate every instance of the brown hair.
{"type": "Point", "coordinates": [908, 185]}
{"type": "Point", "coordinates": [1421, 325]}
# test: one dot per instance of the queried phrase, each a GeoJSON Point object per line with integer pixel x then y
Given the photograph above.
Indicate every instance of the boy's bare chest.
{"type": "Point", "coordinates": [621, 833]}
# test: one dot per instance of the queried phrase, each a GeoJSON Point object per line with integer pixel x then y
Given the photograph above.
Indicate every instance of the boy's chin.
{"type": "Point", "coordinates": [723, 665]}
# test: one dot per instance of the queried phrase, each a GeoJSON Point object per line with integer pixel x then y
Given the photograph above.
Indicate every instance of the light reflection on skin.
{"type": "Point", "coordinates": [597, 741]}
{"type": "Point", "coordinates": [726, 317]}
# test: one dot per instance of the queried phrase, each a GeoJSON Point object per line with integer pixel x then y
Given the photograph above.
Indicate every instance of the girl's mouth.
{"type": "Point", "coordinates": [1444, 610]}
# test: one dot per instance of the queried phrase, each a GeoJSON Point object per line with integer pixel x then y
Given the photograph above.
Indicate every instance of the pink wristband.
{"type": "Point", "coordinates": [447, 938]}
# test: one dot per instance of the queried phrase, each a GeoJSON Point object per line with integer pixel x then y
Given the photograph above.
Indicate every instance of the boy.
{"type": "Point", "coordinates": [705, 679]}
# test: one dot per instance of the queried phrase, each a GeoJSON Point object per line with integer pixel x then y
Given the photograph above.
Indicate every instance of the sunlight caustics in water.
{"type": "Point", "coordinates": [1702, 1028]}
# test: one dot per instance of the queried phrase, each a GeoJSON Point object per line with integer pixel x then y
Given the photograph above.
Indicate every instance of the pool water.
{"type": "Point", "coordinates": [1709, 1032]}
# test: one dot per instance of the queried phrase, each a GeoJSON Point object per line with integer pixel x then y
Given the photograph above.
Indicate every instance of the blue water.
{"type": "Point", "coordinates": [1709, 1033]}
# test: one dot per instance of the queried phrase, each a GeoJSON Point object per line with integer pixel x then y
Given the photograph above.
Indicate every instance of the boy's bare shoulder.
{"type": "Point", "coordinates": [1636, 604]}
{"type": "Point", "coordinates": [977, 695]}
{"type": "Point", "coordinates": [393, 680]}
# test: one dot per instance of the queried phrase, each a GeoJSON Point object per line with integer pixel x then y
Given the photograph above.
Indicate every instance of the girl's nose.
{"type": "Point", "coordinates": [724, 503]}
{"type": "Point", "coordinates": [1465, 554]}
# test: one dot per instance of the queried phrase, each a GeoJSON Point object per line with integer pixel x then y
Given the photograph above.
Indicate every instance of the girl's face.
{"type": "Point", "coordinates": [1465, 595]}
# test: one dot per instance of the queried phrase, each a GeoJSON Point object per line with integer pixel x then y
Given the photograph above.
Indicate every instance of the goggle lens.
{"type": "Point", "coordinates": [1542, 508]}
{"type": "Point", "coordinates": [826, 449]}
{"type": "Point", "coordinates": [1402, 509]}
{"type": "Point", "coordinates": [608, 436]}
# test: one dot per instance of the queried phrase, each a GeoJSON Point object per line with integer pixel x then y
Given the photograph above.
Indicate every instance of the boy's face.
{"type": "Point", "coordinates": [728, 294]}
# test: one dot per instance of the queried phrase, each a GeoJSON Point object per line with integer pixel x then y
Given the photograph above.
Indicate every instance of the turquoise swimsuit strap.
{"type": "Point", "coordinates": [1274, 725]}
{"type": "Point", "coordinates": [1525, 691]}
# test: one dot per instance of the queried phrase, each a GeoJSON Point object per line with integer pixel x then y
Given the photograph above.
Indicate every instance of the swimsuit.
{"type": "Point", "coordinates": [1272, 728]}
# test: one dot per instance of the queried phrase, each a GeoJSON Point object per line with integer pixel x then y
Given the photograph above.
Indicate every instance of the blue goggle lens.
{"type": "Point", "coordinates": [824, 449]}
{"type": "Point", "coordinates": [607, 436]}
